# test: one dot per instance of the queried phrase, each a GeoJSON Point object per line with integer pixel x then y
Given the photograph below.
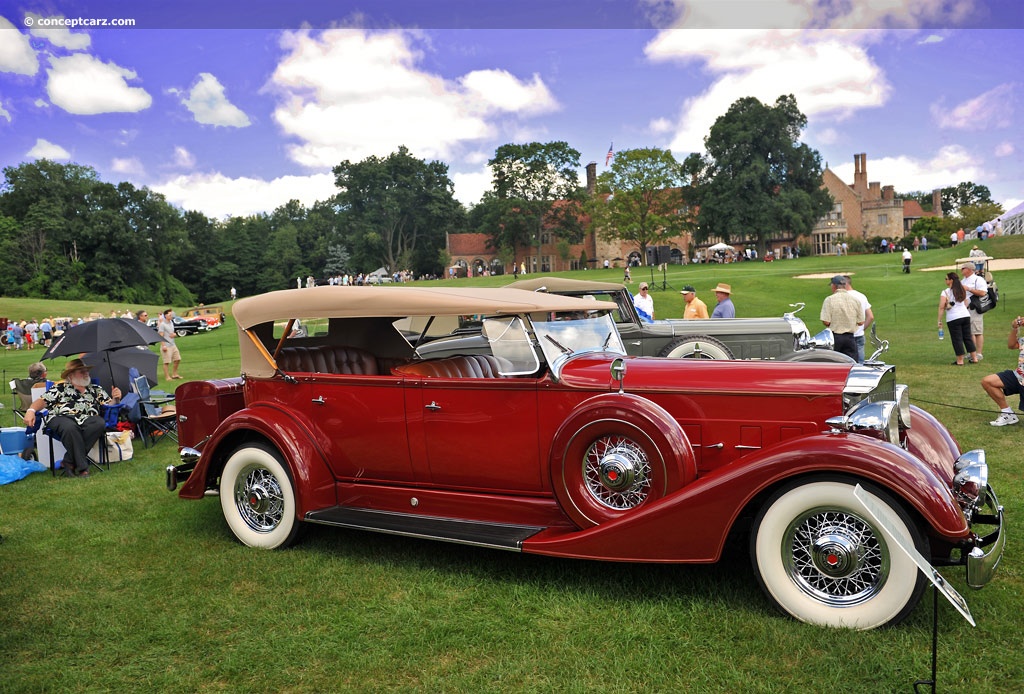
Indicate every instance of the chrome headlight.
{"type": "Point", "coordinates": [903, 405]}
{"type": "Point", "coordinates": [871, 416]}
{"type": "Point", "coordinates": [970, 478]}
{"type": "Point", "coordinates": [826, 339]}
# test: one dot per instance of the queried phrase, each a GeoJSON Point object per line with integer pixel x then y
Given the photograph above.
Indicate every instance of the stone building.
{"type": "Point", "coordinates": [865, 210]}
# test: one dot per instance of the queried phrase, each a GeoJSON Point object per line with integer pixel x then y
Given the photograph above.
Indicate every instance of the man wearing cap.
{"type": "Point", "coordinates": [74, 407]}
{"type": "Point", "coordinates": [695, 308]}
{"type": "Point", "coordinates": [842, 313]}
{"type": "Point", "coordinates": [724, 308]}
{"type": "Point", "coordinates": [975, 284]}
{"type": "Point", "coordinates": [644, 303]}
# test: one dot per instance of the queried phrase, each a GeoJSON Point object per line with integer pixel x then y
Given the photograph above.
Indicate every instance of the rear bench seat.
{"type": "Point", "coordinates": [330, 359]}
{"type": "Point", "coordinates": [473, 366]}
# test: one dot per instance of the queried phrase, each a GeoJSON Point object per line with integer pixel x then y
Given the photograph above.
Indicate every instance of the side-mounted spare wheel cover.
{"type": "Point", "coordinates": [614, 454]}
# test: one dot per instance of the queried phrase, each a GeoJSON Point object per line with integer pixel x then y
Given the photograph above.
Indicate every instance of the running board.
{"type": "Point", "coordinates": [479, 534]}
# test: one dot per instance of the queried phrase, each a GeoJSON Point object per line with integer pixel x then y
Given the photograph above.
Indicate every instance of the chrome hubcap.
{"type": "Point", "coordinates": [259, 499]}
{"type": "Point", "coordinates": [616, 472]}
{"type": "Point", "coordinates": [835, 557]}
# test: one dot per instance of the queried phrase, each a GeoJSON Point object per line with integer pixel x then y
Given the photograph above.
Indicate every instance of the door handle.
{"type": "Point", "coordinates": [433, 406]}
{"type": "Point", "coordinates": [319, 400]}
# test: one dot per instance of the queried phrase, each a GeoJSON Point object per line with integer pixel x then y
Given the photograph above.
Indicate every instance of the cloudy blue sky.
{"type": "Point", "coordinates": [233, 108]}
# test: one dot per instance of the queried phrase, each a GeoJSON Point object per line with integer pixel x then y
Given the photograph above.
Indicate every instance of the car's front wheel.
{"type": "Point", "coordinates": [822, 559]}
{"type": "Point", "coordinates": [258, 499]}
{"type": "Point", "coordinates": [181, 332]}
{"type": "Point", "coordinates": [696, 347]}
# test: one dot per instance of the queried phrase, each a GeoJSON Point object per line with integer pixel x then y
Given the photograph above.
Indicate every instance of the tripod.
{"type": "Point", "coordinates": [664, 283]}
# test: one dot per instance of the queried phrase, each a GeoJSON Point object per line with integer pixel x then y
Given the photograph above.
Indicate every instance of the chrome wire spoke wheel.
{"type": "Point", "coordinates": [617, 472]}
{"type": "Point", "coordinates": [836, 557]}
{"type": "Point", "coordinates": [259, 499]}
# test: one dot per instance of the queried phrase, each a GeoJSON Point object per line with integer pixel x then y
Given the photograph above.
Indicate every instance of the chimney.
{"type": "Point", "coordinates": [875, 190]}
{"type": "Point", "coordinates": [591, 177]}
{"type": "Point", "coordinates": [888, 193]}
{"type": "Point", "coordinates": [860, 173]}
{"type": "Point", "coordinates": [937, 202]}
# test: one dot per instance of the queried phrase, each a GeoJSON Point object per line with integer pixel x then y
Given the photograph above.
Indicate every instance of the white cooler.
{"type": "Point", "coordinates": [43, 449]}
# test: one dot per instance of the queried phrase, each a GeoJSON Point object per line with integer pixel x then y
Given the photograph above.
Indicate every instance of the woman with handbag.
{"type": "Point", "coordinates": [953, 300]}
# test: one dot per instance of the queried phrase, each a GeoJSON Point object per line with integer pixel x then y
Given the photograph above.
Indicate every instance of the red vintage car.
{"type": "Point", "coordinates": [557, 443]}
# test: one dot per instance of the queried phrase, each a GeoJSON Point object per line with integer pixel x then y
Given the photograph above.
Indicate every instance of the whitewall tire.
{"type": "Point", "coordinates": [258, 499]}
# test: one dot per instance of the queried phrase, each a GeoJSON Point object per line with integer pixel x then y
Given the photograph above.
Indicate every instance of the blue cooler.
{"type": "Point", "coordinates": [13, 440]}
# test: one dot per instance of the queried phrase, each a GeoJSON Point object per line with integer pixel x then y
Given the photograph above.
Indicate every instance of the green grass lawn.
{"type": "Point", "coordinates": [114, 584]}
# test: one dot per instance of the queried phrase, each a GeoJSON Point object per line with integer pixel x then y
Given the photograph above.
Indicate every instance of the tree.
{"type": "Point", "coordinates": [535, 189]}
{"type": "Point", "coordinates": [952, 197]}
{"type": "Point", "coordinates": [396, 209]}
{"type": "Point", "coordinates": [757, 181]}
{"type": "Point", "coordinates": [645, 204]}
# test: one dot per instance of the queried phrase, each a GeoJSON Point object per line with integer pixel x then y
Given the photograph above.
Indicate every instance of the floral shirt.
{"type": "Point", "coordinates": [1019, 372]}
{"type": "Point", "coordinates": [64, 400]}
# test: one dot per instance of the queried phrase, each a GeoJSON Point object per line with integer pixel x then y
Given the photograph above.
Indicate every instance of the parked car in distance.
{"type": "Point", "coordinates": [213, 315]}
{"type": "Point", "coordinates": [557, 443]}
{"type": "Point", "coordinates": [785, 339]}
{"type": "Point", "coordinates": [183, 326]}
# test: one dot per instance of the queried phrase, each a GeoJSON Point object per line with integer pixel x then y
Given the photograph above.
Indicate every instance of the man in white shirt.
{"type": "Point", "coordinates": [975, 284]}
{"type": "Point", "coordinates": [644, 303]}
{"type": "Point", "coordinates": [869, 318]}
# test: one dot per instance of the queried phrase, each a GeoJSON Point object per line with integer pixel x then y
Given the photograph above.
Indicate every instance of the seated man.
{"type": "Point", "coordinates": [75, 419]}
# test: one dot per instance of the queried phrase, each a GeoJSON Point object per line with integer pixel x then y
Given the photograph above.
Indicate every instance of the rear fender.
{"type": "Point", "coordinates": [692, 524]}
{"type": "Point", "coordinates": [305, 460]}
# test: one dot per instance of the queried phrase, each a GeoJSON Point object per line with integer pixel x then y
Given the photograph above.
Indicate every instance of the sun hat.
{"type": "Point", "coordinates": [724, 288]}
{"type": "Point", "coordinates": [688, 289]}
{"type": "Point", "coordinates": [72, 366]}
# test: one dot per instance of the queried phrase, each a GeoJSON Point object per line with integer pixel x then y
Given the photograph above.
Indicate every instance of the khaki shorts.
{"type": "Point", "coordinates": [977, 324]}
{"type": "Point", "coordinates": [170, 353]}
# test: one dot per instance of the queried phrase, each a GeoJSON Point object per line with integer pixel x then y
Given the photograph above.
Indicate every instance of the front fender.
{"type": "Point", "coordinates": [314, 483]}
{"type": "Point", "coordinates": [818, 355]}
{"type": "Point", "coordinates": [691, 525]}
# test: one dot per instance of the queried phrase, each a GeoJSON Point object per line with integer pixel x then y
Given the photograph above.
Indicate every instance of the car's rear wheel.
{"type": "Point", "coordinates": [696, 347]}
{"type": "Point", "coordinates": [822, 559]}
{"type": "Point", "coordinates": [181, 332]}
{"type": "Point", "coordinates": [258, 499]}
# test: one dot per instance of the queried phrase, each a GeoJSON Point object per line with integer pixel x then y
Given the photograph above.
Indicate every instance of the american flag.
{"type": "Point", "coordinates": [611, 153]}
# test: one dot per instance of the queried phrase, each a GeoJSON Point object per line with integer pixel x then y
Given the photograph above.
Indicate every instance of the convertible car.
{"type": "Point", "coordinates": [558, 443]}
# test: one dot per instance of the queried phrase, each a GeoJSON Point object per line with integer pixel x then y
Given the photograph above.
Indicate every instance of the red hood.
{"type": "Point", "coordinates": [654, 375]}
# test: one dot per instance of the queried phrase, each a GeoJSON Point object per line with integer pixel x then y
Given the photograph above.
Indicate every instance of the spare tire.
{"type": "Point", "coordinates": [696, 347]}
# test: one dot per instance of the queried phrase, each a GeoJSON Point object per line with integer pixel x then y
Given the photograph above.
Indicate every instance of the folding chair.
{"type": "Point", "coordinates": [41, 422]}
{"type": "Point", "coordinates": [154, 417]}
{"type": "Point", "coordinates": [21, 389]}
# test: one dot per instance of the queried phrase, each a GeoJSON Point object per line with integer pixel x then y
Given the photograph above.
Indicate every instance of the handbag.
{"type": "Point", "coordinates": [986, 302]}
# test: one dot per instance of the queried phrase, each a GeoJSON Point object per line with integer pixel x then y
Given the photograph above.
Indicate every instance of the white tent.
{"type": "Point", "coordinates": [721, 247]}
{"type": "Point", "coordinates": [1013, 221]}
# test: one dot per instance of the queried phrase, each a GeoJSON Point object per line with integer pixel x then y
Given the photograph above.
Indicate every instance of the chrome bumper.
{"type": "Point", "coordinates": [981, 564]}
{"type": "Point", "coordinates": [180, 473]}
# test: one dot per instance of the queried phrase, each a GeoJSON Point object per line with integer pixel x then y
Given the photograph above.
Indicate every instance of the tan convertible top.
{"type": "Point", "coordinates": [561, 284]}
{"type": "Point", "coordinates": [398, 302]}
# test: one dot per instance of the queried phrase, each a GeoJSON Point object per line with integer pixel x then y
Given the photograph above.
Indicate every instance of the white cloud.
{"type": "Point", "coordinates": [16, 54]}
{"type": "Point", "coordinates": [949, 166]}
{"type": "Point", "coordinates": [349, 94]}
{"type": "Point", "coordinates": [471, 186]}
{"type": "Point", "coordinates": [60, 36]}
{"type": "Point", "coordinates": [209, 105]}
{"type": "Point", "coordinates": [44, 149]}
{"type": "Point", "coordinates": [183, 159]}
{"type": "Point", "coordinates": [993, 109]}
{"type": "Point", "coordinates": [85, 85]}
{"type": "Point", "coordinates": [1004, 149]}
{"type": "Point", "coordinates": [218, 196]}
{"type": "Point", "coordinates": [130, 166]}
{"type": "Point", "coordinates": [836, 77]}
{"type": "Point", "coordinates": [4, 113]}
{"type": "Point", "coordinates": [931, 38]}
{"type": "Point", "coordinates": [41, 103]}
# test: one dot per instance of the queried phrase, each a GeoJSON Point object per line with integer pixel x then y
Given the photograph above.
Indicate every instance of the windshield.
{"type": "Point", "coordinates": [570, 333]}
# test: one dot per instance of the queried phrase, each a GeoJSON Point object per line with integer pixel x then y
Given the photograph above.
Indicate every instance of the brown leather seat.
{"type": "Point", "coordinates": [328, 359]}
{"type": "Point", "coordinates": [473, 366]}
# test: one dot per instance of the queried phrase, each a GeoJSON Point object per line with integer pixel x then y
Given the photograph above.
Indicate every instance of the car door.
{"type": "Point", "coordinates": [476, 433]}
{"type": "Point", "coordinates": [359, 421]}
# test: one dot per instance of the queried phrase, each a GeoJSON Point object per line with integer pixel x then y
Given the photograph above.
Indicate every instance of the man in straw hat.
{"type": "Point", "coordinates": [724, 309]}
{"type": "Point", "coordinates": [74, 407]}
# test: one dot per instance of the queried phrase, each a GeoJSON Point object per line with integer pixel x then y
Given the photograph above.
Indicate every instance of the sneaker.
{"type": "Point", "coordinates": [980, 356]}
{"type": "Point", "coordinates": [1004, 419]}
